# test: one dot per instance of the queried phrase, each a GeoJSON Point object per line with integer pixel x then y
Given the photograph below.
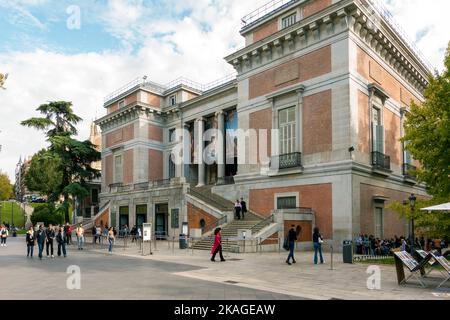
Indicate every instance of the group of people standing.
{"type": "Point", "coordinates": [46, 237]}
{"type": "Point", "coordinates": [240, 208]}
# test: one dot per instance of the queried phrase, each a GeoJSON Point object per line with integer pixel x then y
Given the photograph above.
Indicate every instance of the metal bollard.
{"type": "Point", "coordinates": [173, 244]}
{"type": "Point", "coordinates": [331, 249]}
{"type": "Point", "coordinates": [279, 245]}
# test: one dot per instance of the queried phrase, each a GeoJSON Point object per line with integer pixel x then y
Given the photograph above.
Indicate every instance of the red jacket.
{"type": "Point", "coordinates": [217, 240]}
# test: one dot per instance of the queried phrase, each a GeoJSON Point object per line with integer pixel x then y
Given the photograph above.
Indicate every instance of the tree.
{"type": "Point", "coordinates": [43, 174]}
{"type": "Point", "coordinates": [74, 157]}
{"type": "Point", "coordinates": [6, 188]}
{"type": "Point", "coordinates": [427, 133]}
{"type": "Point", "coordinates": [48, 214]}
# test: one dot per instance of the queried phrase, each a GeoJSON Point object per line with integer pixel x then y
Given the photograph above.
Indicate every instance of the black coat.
{"type": "Point", "coordinates": [50, 233]}
{"type": "Point", "coordinates": [244, 206]}
{"type": "Point", "coordinates": [60, 237]}
{"type": "Point", "coordinates": [292, 235]}
{"type": "Point", "coordinates": [30, 239]}
{"type": "Point", "coordinates": [40, 236]}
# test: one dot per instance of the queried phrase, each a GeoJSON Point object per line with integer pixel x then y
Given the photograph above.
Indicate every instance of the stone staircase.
{"type": "Point", "coordinates": [230, 230]}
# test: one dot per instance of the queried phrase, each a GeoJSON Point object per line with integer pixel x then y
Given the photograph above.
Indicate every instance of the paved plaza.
{"type": "Point", "coordinates": [171, 273]}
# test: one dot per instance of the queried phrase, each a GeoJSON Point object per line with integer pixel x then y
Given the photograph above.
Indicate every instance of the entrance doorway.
{"type": "Point", "coordinates": [161, 214]}
{"type": "Point", "coordinates": [123, 217]}
{"type": "Point", "coordinates": [141, 215]}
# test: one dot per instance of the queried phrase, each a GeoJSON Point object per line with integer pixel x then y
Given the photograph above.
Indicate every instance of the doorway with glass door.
{"type": "Point", "coordinates": [161, 215]}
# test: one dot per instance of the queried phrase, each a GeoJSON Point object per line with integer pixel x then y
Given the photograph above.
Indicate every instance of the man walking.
{"type": "Point", "coordinates": [80, 236]}
{"type": "Point", "coordinates": [237, 209]}
{"type": "Point", "coordinates": [50, 238]}
{"type": "Point", "coordinates": [41, 237]}
{"type": "Point", "coordinates": [243, 208]}
{"type": "Point", "coordinates": [66, 233]}
{"type": "Point", "coordinates": [61, 240]}
{"type": "Point", "coordinates": [292, 237]}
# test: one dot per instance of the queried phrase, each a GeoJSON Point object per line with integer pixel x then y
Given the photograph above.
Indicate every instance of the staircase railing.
{"type": "Point", "coordinates": [210, 200]}
{"type": "Point", "coordinates": [215, 224]}
{"type": "Point", "coordinates": [263, 223]}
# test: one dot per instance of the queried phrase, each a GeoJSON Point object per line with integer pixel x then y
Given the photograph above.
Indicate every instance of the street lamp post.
{"type": "Point", "coordinates": [12, 213]}
{"type": "Point", "coordinates": [412, 202]}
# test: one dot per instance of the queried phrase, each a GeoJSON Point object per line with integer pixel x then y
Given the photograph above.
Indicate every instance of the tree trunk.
{"type": "Point", "coordinates": [66, 207]}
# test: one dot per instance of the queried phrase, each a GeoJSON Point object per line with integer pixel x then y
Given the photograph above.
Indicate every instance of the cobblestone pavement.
{"type": "Point", "coordinates": [110, 277]}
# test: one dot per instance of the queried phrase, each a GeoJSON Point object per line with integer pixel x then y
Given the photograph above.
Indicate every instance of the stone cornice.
{"type": "Point", "coordinates": [344, 15]}
{"type": "Point", "coordinates": [131, 112]}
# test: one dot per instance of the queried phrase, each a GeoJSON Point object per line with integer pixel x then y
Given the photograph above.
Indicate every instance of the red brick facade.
{"type": "Point", "coordinates": [120, 136]}
{"type": "Point", "coordinates": [196, 214]}
{"type": "Point", "coordinates": [262, 120]}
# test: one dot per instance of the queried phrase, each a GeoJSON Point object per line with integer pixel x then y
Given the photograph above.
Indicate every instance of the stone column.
{"type": "Point", "coordinates": [200, 148]}
{"type": "Point", "coordinates": [220, 146]}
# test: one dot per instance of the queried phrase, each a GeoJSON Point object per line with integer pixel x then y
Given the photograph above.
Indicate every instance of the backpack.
{"type": "Point", "coordinates": [286, 244]}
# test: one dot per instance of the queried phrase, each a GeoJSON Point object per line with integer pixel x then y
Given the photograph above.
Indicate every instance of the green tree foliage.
{"type": "Point", "coordinates": [44, 175]}
{"type": "Point", "coordinates": [47, 214]}
{"type": "Point", "coordinates": [427, 133]}
{"type": "Point", "coordinates": [6, 188]}
{"type": "Point", "coordinates": [74, 157]}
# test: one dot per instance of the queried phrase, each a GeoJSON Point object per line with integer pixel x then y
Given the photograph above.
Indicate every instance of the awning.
{"type": "Point", "coordinates": [439, 207]}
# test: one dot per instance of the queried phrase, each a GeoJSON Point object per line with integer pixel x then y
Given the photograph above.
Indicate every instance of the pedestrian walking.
{"type": "Point", "coordinates": [238, 209]}
{"type": "Point", "coordinates": [292, 238]}
{"type": "Point", "coordinates": [30, 241]}
{"type": "Point", "coordinates": [61, 240]}
{"type": "Point", "coordinates": [111, 239]}
{"type": "Point", "coordinates": [4, 233]}
{"type": "Point", "coordinates": [41, 237]}
{"type": "Point", "coordinates": [94, 234]}
{"type": "Point", "coordinates": [80, 236]}
{"type": "Point", "coordinates": [50, 237]}
{"type": "Point", "coordinates": [317, 241]}
{"type": "Point", "coordinates": [98, 234]}
{"type": "Point", "coordinates": [217, 247]}
{"type": "Point", "coordinates": [69, 234]}
{"type": "Point", "coordinates": [243, 208]}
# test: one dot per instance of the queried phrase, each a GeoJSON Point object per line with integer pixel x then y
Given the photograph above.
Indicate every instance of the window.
{"type": "Point", "coordinates": [94, 196]}
{"type": "Point", "coordinates": [118, 169]}
{"type": "Point", "coordinates": [377, 131]}
{"type": "Point", "coordinates": [173, 100]}
{"type": "Point", "coordinates": [408, 158]}
{"type": "Point", "coordinates": [171, 167]}
{"type": "Point", "coordinates": [175, 218]}
{"type": "Point", "coordinates": [288, 21]}
{"type": "Point", "coordinates": [287, 128]}
{"type": "Point", "coordinates": [121, 104]}
{"type": "Point", "coordinates": [172, 135]}
{"type": "Point", "coordinates": [287, 202]}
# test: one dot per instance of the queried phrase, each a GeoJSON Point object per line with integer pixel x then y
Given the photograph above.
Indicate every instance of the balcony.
{"type": "Point", "coordinates": [286, 161]}
{"type": "Point", "coordinates": [408, 172]}
{"type": "Point", "coordinates": [381, 162]}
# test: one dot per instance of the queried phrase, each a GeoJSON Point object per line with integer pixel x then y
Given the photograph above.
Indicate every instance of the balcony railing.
{"type": "Point", "coordinates": [161, 183]}
{"type": "Point", "coordinates": [381, 161]}
{"type": "Point", "coordinates": [285, 161]}
{"type": "Point", "coordinates": [408, 171]}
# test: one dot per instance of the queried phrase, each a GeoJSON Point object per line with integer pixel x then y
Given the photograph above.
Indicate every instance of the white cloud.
{"type": "Point", "coordinates": [168, 48]}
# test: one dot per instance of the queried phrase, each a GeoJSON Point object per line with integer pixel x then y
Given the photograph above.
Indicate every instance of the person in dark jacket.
{"type": "Point", "coordinates": [292, 237]}
{"type": "Point", "coordinates": [243, 208]}
{"type": "Point", "coordinates": [30, 240]}
{"type": "Point", "coordinates": [41, 236]}
{"type": "Point", "coordinates": [61, 240]}
{"type": "Point", "coordinates": [317, 241]}
{"type": "Point", "coordinates": [50, 237]}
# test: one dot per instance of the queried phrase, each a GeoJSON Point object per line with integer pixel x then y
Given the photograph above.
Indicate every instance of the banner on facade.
{"type": "Point", "coordinates": [147, 231]}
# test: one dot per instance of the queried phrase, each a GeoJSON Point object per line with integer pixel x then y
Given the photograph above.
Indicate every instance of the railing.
{"type": "Point", "coordinates": [285, 161]}
{"type": "Point", "coordinates": [215, 224]}
{"type": "Point", "coordinates": [130, 85]}
{"type": "Point", "coordinates": [210, 200]}
{"type": "Point", "coordinates": [266, 9]}
{"type": "Point", "coordinates": [381, 161]}
{"type": "Point", "coordinates": [263, 223]}
{"type": "Point", "coordinates": [141, 186]}
{"type": "Point", "coordinates": [161, 183]}
{"type": "Point", "coordinates": [123, 188]}
{"type": "Point", "coordinates": [408, 170]}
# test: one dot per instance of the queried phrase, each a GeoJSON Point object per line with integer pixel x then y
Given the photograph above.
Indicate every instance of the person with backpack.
{"type": "Point", "coordinates": [3, 235]}
{"type": "Point", "coordinates": [49, 242]}
{"type": "Point", "coordinates": [61, 240]}
{"type": "Point", "coordinates": [292, 238]}
{"type": "Point", "coordinates": [30, 241]}
{"type": "Point", "coordinates": [41, 236]}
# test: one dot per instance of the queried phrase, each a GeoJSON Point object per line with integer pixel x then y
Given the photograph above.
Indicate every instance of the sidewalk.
{"type": "Point", "coordinates": [268, 271]}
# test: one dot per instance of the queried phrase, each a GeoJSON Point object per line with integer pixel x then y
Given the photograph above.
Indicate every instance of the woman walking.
{"type": "Point", "coordinates": [4, 235]}
{"type": "Point", "coordinates": [30, 240]}
{"type": "Point", "coordinates": [61, 240]}
{"type": "Point", "coordinates": [111, 239]}
{"type": "Point", "coordinates": [217, 247]}
{"type": "Point", "coordinates": [317, 240]}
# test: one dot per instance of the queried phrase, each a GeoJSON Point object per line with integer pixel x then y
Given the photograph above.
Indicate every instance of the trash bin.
{"type": "Point", "coordinates": [183, 241]}
{"type": "Point", "coordinates": [347, 251]}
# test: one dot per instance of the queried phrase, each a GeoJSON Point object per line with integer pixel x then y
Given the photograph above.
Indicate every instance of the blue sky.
{"type": "Point", "coordinates": [120, 40]}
